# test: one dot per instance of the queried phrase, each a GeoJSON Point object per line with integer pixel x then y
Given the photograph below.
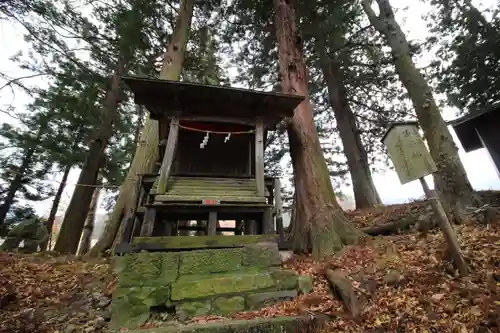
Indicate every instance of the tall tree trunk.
{"type": "Point", "coordinates": [321, 222]}
{"type": "Point", "coordinates": [451, 179]}
{"type": "Point", "coordinates": [74, 219]}
{"type": "Point", "coordinates": [55, 206]}
{"type": "Point", "coordinates": [85, 241]}
{"type": "Point", "coordinates": [146, 154]}
{"type": "Point", "coordinates": [15, 185]}
{"type": "Point", "coordinates": [365, 193]}
{"type": "Point", "coordinates": [17, 182]}
{"type": "Point", "coordinates": [140, 115]}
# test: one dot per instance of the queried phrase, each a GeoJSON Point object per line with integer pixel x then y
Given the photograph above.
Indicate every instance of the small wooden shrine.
{"type": "Point", "coordinates": [211, 166]}
{"type": "Point", "coordinates": [480, 129]}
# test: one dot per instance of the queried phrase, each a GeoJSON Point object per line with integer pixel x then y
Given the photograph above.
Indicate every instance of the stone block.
{"type": "Point", "coordinates": [138, 268]}
{"type": "Point", "coordinates": [192, 287]}
{"type": "Point", "coordinates": [285, 279]}
{"type": "Point", "coordinates": [305, 283]}
{"type": "Point", "coordinates": [261, 255]}
{"type": "Point", "coordinates": [131, 305]}
{"type": "Point", "coordinates": [205, 262]}
{"type": "Point", "coordinates": [147, 269]}
{"type": "Point", "coordinates": [261, 300]}
{"type": "Point", "coordinates": [224, 306]}
{"type": "Point", "coordinates": [260, 325]}
{"type": "Point", "coordinates": [205, 242]}
{"type": "Point", "coordinates": [193, 309]}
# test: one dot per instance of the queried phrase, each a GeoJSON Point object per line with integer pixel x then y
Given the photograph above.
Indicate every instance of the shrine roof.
{"type": "Point", "coordinates": [466, 126]}
{"type": "Point", "coordinates": [165, 97]}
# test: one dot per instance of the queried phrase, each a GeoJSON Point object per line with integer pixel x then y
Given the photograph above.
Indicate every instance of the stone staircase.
{"type": "Point", "coordinates": [177, 286]}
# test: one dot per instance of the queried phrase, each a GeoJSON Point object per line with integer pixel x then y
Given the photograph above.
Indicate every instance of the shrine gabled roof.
{"type": "Point", "coordinates": [165, 97]}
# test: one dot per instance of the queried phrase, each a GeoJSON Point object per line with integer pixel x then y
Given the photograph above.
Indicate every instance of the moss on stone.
{"type": "Point", "coordinates": [139, 268]}
{"type": "Point", "coordinates": [260, 300]}
{"type": "Point", "coordinates": [192, 288]}
{"type": "Point", "coordinates": [170, 267]}
{"type": "Point", "coordinates": [223, 306]}
{"type": "Point", "coordinates": [125, 316]}
{"type": "Point", "coordinates": [285, 279]}
{"type": "Point", "coordinates": [200, 242]}
{"type": "Point", "coordinates": [262, 255]}
{"type": "Point", "coordinates": [259, 325]}
{"type": "Point", "coordinates": [193, 309]}
{"type": "Point", "coordinates": [145, 269]}
{"type": "Point", "coordinates": [131, 305]}
{"type": "Point", "coordinates": [204, 262]}
{"type": "Point", "coordinates": [305, 284]}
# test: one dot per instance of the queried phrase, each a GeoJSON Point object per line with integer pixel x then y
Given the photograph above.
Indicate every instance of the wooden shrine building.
{"type": "Point", "coordinates": [211, 166]}
{"type": "Point", "coordinates": [481, 129]}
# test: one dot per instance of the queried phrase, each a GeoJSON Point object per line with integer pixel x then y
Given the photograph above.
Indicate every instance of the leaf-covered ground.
{"type": "Point", "coordinates": [404, 283]}
{"type": "Point", "coordinates": [42, 294]}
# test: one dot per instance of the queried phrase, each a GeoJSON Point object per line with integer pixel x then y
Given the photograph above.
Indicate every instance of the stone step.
{"type": "Point", "coordinates": [259, 325]}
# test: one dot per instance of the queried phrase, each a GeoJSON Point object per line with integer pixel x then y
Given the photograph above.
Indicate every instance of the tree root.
{"type": "Point", "coordinates": [343, 289]}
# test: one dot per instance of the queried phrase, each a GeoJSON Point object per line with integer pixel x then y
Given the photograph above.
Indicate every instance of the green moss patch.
{"type": "Point", "coordinates": [223, 306]}
{"type": "Point", "coordinates": [192, 288]}
{"type": "Point", "coordinates": [263, 255]}
{"type": "Point", "coordinates": [200, 242]}
{"type": "Point", "coordinates": [205, 262]}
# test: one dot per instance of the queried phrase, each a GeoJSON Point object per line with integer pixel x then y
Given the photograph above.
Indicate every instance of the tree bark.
{"type": "Point", "coordinates": [86, 239]}
{"type": "Point", "coordinates": [17, 182]}
{"type": "Point", "coordinates": [140, 115]}
{"type": "Point", "coordinates": [74, 219]}
{"type": "Point", "coordinates": [15, 185]}
{"type": "Point", "coordinates": [450, 179]}
{"type": "Point", "coordinates": [146, 154]}
{"type": "Point", "coordinates": [55, 206]}
{"type": "Point", "coordinates": [320, 219]}
{"type": "Point", "coordinates": [365, 192]}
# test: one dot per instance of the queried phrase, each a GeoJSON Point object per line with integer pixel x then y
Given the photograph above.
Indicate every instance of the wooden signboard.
{"type": "Point", "coordinates": [408, 152]}
{"type": "Point", "coordinates": [412, 161]}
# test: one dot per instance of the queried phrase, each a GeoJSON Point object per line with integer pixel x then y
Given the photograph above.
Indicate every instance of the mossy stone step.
{"type": "Point", "coordinates": [205, 242]}
{"type": "Point", "coordinates": [258, 325]}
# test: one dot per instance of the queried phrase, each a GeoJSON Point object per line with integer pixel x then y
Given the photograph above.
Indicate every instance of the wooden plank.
{"type": "Point", "coordinates": [213, 192]}
{"type": "Point", "coordinates": [212, 224]}
{"type": "Point", "coordinates": [166, 165]}
{"type": "Point", "coordinates": [278, 209]}
{"type": "Point", "coordinates": [198, 198]}
{"type": "Point", "coordinates": [148, 222]}
{"type": "Point", "coordinates": [230, 120]}
{"type": "Point", "coordinates": [259, 157]}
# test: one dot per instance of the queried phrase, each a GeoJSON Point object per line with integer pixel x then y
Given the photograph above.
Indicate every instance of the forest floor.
{"type": "Point", "coordinates": [403, 283]}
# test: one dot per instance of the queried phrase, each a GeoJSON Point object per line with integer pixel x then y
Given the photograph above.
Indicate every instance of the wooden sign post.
{"type": "Point", "coordinates": [412, 161]}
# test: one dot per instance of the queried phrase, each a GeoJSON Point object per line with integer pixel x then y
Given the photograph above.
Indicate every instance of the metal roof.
{"type": "Point", "coordinates": [164, 97]}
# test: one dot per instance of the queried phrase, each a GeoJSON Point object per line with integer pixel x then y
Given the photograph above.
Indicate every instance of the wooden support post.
{"type": "Point", "coordinates": [448, 232]}
{"type": "Point", "coordinates": [136, 230]}
{"type": "Point", "coordinates": [238, 225]}
{"type": "Point", "coordinates": [148, 223]}
{"type": "Point", "coordinates": [259, 157]}
{"type": "Point", "coordinates": [128, 220]}
{"type": "Point", "coordinates": [212, 224]}
{"type": "Point", "coordinates": [267, 221]}
{"type": "Point", "coordinates": [250, 227]}
{"type": "Point", "coordinates": [278, 209]}
{"type": "Point", "coordinates": [168, 158]}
